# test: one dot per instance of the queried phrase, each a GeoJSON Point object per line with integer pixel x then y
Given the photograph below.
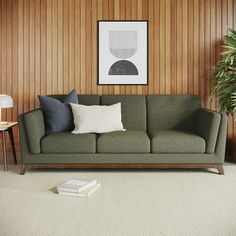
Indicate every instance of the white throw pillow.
{"type": "Point", "coordinates": [97, 119]}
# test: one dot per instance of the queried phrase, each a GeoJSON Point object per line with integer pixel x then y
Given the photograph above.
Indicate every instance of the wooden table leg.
{"type": "Point", "coordinates": [4, 150]}
{"type": "Point", "coordinates": [12, 144]}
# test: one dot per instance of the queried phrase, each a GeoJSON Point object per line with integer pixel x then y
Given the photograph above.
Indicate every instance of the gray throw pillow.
{"type": "Point", "coordinates": [58, 115]}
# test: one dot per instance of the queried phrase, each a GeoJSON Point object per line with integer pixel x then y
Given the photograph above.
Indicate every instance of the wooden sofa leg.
{"type": "Point", "coordinates": [220, 168]}
{"type": "Point", "coordinates": [22, 169]}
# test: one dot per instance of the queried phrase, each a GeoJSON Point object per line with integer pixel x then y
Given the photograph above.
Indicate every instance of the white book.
{"type": "Point", "coordinates": [76, 186]}
{"type": "Point", "coordinates": [84, 194]}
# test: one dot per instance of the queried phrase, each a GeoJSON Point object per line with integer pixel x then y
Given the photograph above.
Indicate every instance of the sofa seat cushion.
{"type": "Point", "coordinates": [172, 141]}
{"type": "Point", "coordinates": [131, 141]}
{"type": "Point", "coordinates": [66, 142]}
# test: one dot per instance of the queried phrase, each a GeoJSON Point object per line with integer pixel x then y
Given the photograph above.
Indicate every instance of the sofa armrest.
{"type": "Point", "coordinates": [24, 147]}
{"type": "Point", "coordinates": [34, 129]}
{"type": "Point", "coordinates": [208, 127]}
{"type": "Point", "coordinates": [221, 140]}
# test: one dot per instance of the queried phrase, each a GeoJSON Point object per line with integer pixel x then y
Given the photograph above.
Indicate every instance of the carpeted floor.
{"type": "Point", "coordinates": [129, 203]}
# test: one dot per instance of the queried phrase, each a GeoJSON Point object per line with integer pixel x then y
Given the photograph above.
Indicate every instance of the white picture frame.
{"type": "Point", "coordinates": [122, 52]}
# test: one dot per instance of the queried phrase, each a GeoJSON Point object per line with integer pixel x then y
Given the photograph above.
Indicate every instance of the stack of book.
{"type": "Point", "coordinates": [78, 188]}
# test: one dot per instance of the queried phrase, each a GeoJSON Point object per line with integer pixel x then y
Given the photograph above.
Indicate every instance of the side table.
{"type": "Point", "coordinates": [4, 128]}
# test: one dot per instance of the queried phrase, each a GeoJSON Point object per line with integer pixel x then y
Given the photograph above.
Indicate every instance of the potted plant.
{"type": "Point", "coordinates": [224, 86]}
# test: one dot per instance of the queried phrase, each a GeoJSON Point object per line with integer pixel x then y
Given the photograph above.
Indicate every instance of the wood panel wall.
{"type": "Point", "coordinates": [50, 46]}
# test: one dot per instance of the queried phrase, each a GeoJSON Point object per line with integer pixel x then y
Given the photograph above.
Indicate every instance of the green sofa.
{"type": "Point", "coordinates": [163, 131]}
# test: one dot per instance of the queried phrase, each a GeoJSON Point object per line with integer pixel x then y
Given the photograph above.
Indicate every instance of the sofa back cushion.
{"type": "Point", "coordinates": [83, 99]}
{"type": "Point", "coordinates": [133, 109]}
{"type": "Point", "coordinates": [176, 112]}
{"type": "Point", "coordinates": [89, 99]}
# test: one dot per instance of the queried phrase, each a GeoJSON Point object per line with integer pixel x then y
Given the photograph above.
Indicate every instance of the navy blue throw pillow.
{"type": "Point", "coordinates": [58, 114]}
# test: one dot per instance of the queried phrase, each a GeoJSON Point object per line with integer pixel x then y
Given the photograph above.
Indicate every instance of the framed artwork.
{"type": "Point", "coordinates": [123, 52]}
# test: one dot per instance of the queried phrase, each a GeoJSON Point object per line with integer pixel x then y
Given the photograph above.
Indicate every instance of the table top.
{"type": "Point", "coordinates": [6, 125]}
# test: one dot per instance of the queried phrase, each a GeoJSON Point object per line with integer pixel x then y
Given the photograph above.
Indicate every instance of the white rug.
{"type": "Point", "coordinates": [129, 203]}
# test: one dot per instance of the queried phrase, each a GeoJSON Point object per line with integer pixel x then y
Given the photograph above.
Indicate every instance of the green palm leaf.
{"type": "Point", "coordinates": [224, 80]}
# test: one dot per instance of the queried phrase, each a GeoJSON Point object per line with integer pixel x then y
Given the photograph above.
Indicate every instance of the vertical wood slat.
{"type": "Point", "coordinates": [60, 38]}
{"type": "Point", "coordinates": [50, 46]}
{"type": "Point", "coordinates": [213, 45]}
{"type": "Point", "coordinates": [173, 48]}
{"type": "Point", "coordinates": [43, 49]}
{"type": "Point", "coordinates": [20, 55]}
{"type": "Point", "coordinates": [65, 46]}
{"type": "Point", "coordinates": [156, 85]}
{"type": "Point", "coordinates": [207, 52]}
{"type": "Point", "coordinates": [139, 16]}
{"type": "Point", "coordinates": [88, 52]}
{"type": "Point", "coordinates": [33, 57]}
{"type": "Point", "coordinates": [77, 45]}
{"type": "Point", "coordinates": [72, 44]}
{"type": "Point", "coordinates": [151, 47]}
{"type": "Point", "coordinates": [145, 16]}
{"type": "Point", "coordinates": [99, 17]}
{"type": "Point", "coordinates": [190, 46]}
{"type": "Point", "coordinates": [94, 47]}
{"type": "Point", "coordinates": [83, 46]}
{"type": "Point", "coordinates": [162, 47]}
{"type": "Point", "coordinates": [1, 44]}
{"type": "Point", "coordinates": [37, 75]}
{"type": "Point", "coordinates": [15, 64]}
{"type": "Point", "coordinates": [54, 46]}
{"type": "Point", "coordinates": [167, 48]}
{"type": "Point", "coordinates": [4, 52]}
{"type": "Point", "coordinates": [196, 48]}
{"type": "Point", "coordinates": [9, 54]}
{"type": "Point", "coordinates": [201, 52]}
{"type": "Point", "coordinates": [179, 83]}
{"type": "Point", "coordinates": [26, 53]}
{"type": "Point", "coordinates": [185, 47]}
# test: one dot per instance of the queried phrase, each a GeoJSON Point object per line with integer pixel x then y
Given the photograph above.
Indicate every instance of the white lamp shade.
{"type": "Point", "coordinates": [5, 101]}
